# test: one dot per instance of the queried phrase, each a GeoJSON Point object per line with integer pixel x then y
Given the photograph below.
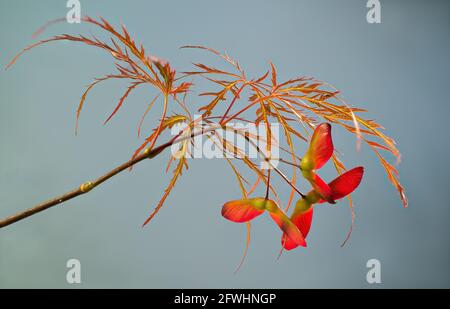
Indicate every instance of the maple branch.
{"type": "Point", "coordinates": [82, 189]}
{"type": "Point", "coordinates": [148, 153]}
{"type": "Point", "coordinates": [88, 186]}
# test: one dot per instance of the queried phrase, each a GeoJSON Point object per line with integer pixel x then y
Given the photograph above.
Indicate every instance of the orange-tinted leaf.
{"type": "Point", "coordinates": [303, 222]}
{"type": "Point", "coordinates": [122, 99]}
{"type": "Point", "coordinates": [289, 228]}
{"type": "Point", "coordinates": [241, 210]}
{"type": "Point", "coordinates": [176, 174]}
{"type": "Point", "coordinates": [346, 183]}
{"type": "Point", "coordinates": [320, 148]}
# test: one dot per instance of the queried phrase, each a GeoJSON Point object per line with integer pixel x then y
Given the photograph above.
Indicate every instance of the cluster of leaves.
{"type": "Point", "coordinates": [297, 104]}
{"type": "Point", "coordinates": [296, 227]}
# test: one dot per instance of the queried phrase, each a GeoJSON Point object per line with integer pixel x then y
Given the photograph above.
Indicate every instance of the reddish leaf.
{"type": "Point", "coordinates": [303, 222]}
{"type": "Point", "coordinates": [289, 228]}
{"type": "Point", "coordinates": [322, 188]}
{"type": "Point", "coordinates": [346, 183]}
{"type": "Point", "coordinates": [240, 211]}
{"type": "Point", "coordinates": [320, 148]}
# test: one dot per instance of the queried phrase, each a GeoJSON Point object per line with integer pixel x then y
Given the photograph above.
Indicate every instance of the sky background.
{"type": "Point", "coordinates": [398, 70]}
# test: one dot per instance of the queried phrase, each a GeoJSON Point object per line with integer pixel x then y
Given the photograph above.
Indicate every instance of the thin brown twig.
{"type": "Point", "coordinates": [88, 186]}
{"type": "Point", "coordinates": [82, 189]}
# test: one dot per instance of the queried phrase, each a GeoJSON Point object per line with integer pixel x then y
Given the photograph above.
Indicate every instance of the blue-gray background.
{"type": "Point", "coordinates": [399, 70]}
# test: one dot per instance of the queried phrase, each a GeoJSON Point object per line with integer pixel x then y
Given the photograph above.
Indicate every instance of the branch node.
{"type": "Point", "coordinates": [151, 153]}
{"type": "Point", "coordinates": [87, 186]}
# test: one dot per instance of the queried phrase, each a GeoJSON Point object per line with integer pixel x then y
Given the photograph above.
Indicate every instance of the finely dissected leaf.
{"type": "Point", "coordinates": [247, 245]}
{"type": "Point", "coordinates": [88, 89]}
{"type": "Point", "coordinates": [176, 174]}
{"type": "Point", "coordinates": [225, 57]}
{"type": "Point", "coordinates": [149, 107]}
{"type": "Point", "coordinates": [132, 61]}
{"type": "Point", "coordinates": [122, 99]}
{"type": "Point", "coordinates": [207, 109]}
{"type": "Point", "coordinates": [167, 123]}
{"type": "Point", "coordinates": [392, 175]}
